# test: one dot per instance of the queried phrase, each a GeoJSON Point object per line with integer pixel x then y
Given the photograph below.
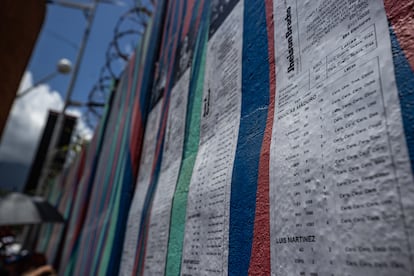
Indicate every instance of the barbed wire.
{"type": "Point", "coordinates": [128, 32]}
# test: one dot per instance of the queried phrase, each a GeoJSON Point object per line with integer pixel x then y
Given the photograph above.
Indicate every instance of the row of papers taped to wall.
{"type": "Point", "coordinates": [251, 137]}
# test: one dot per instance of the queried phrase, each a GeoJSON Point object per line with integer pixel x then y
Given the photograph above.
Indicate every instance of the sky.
{"type": "Point", "coordinates": [59, 38]}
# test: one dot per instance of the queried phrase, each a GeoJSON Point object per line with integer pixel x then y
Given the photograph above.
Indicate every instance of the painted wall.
{"type": "Point", "coordinates": [255, 137]}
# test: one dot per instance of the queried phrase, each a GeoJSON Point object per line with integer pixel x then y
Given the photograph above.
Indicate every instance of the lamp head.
{"type": "Point", "coordinates": [64, 66]}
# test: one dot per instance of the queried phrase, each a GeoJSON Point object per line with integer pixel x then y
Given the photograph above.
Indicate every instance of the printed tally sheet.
{"type": "Point", "coordinates": [341, 201]}
{"type": "Point", "coordinates": [143, 181]}
{"type": "Point", "coordinates": [206, 235]}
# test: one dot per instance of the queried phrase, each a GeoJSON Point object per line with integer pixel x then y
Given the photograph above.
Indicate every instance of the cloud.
{"type": "Point", "coordinates": [82, 129]}
{"type": "Point", "coordinates": [27, 120]}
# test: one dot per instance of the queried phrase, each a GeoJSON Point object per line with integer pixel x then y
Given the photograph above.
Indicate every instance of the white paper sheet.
{"type": "Point", "coordinates": [156, 252]}
{"type": "Point", "coordinates": [144, 177]}
{"type": "Point", "coordinates": [205, 249]}
{"type": "Point", "coordinates": [341, 199]}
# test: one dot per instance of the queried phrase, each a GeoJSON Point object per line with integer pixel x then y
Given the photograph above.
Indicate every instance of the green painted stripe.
{"type": "Point", "coordinates": [178, 213]}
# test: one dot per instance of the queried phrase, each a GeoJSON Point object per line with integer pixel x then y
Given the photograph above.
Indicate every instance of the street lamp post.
{"type": "Point", "coordinates": [60, 119]}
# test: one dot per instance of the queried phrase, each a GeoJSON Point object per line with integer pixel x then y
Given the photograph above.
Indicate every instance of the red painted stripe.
{"type": "Point", "coordinates": [260, 258]}
{"type": "Point", "coordinates": [137, 130]}
{"type": "Point", "coordinates": [401, 15]}
{"type": "Point", "coordinates": [136, 137]}
{"type": "Point", "coordinates": [187, 18]}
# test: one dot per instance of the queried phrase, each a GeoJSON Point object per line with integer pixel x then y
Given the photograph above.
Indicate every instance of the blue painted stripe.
{"type": "Point", "coordinates": [255, 101]}
{"type": "Point", "coordinates": [405, 84]}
